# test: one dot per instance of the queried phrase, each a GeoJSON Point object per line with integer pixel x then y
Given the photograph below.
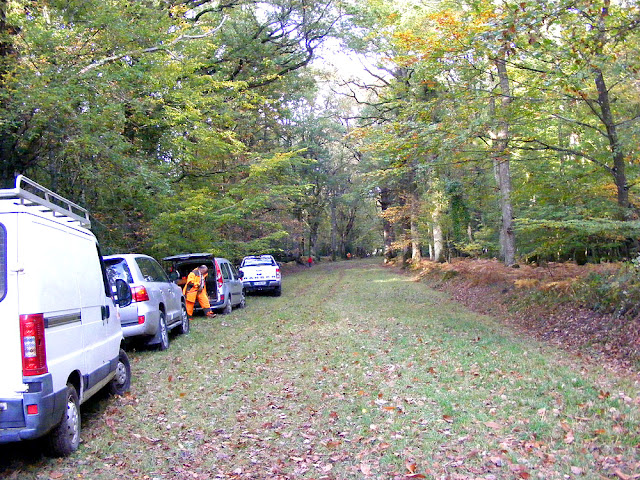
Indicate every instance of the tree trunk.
{"type": "Point", "coordinates": [8, 165]}
{"type": "Point", "coordinates": [416, 244]}
{"type": "Point", "coordinates": [619, 170]}
{"type": "Point", "coordinates": [385, 200]}
{"type": "Point", "coordinates": [438, 237]}
{"type": "Point", "coordinates": [414, 214]}
{"type": "Point", "coordinates": [502, 168]}
{"type": "Point", "coordinates": [313, 237]}
{"type": "Point", "coordinates": [334, 230]}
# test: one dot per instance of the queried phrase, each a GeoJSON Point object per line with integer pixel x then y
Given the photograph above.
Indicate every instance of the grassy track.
{"type": "Point", "coordinates": [354, 372]}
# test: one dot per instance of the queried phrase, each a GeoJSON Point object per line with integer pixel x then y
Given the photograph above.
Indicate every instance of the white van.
{"type": "Point", "coordinates": [60, 334]}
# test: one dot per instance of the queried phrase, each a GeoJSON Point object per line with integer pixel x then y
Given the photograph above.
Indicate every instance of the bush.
{"type": "Point", "coordinates": [617, 293]}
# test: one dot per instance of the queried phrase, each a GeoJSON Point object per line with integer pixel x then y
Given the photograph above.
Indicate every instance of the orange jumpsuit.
{"type": "Point", "coordinates": [195, 289]}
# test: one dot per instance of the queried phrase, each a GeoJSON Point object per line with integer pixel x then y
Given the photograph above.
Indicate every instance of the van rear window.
{"type": "Point", "coordinates": [3, 262]}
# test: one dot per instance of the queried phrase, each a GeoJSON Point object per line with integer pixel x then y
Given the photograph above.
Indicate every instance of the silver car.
{"type": "Point", "coordinates": [224, 282]}
{"type": "Point", "coordinates": [158, 304]}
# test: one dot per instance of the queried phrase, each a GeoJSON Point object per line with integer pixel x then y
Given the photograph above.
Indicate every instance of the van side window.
{"type": "Point", "coordinates": [106, 279]}
{"type": "Point", "coordinates": [226, 273]}
{"type": "Point", "coordinates": [234, 270]}
{"type": "Point", "coordinates": [3, 262]}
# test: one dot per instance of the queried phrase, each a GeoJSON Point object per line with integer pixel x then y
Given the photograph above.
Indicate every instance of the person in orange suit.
{"type": "Point", "coordinates": [195, 289]}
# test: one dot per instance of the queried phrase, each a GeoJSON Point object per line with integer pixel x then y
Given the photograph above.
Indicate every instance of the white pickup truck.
{"type": "Point", "coordinates": [261, 273]}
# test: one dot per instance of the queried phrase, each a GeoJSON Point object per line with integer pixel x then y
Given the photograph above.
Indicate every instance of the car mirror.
{"type": "Point", "coordinates": [240, 274]}
{"type": "Point", "coordinates": [122, 293]}
{"type": "Point", "coordinates": [173, 275]}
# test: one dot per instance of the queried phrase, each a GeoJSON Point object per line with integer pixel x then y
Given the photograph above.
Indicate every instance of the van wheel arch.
{"type": "Point", "coordinates": [75, 380]}
{"type": "Point", "coordinates": [64, 439]}
{"type": "Point", "coordinates": [121, 382]}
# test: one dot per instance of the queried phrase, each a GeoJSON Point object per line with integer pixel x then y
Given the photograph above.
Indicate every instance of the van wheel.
{"type": "Point", "coordinates": [277, 291]}
{"type": "Point", "coordinates": [64, 439]}
{"type": "Point", "coordinates": [122, 380]}
{"type": "Point", "coordinates": [243, 301]}
{"type": "Point", "coordinates": [184, 326]}
{"type": "Point", "coordinates": [163, 333]}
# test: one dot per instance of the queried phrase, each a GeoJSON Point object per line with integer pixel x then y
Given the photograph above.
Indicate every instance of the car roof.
{"type": "Point", "coordinates": [126, 256]}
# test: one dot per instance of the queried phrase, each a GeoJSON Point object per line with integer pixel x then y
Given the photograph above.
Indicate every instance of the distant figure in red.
{"type": "Point", "coordinates": [310, 261]}
{"type": "Point", "coordinates": [349, 256]}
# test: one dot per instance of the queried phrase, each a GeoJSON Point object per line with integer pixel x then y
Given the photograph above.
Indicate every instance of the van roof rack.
{"type": "Point", "coordinates": [31, 193]}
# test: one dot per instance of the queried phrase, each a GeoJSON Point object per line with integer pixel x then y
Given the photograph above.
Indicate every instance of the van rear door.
{"type": "Point", "coordinates": [49, 284]}
{"type": "Point", "coordinates": [11, 384]}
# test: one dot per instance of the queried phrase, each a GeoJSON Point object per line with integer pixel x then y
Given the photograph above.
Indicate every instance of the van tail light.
{"type": "Point", "coordinates": [34, 352]}
{"type": "Point", "coordinates": [277, 272]}
{"type": "Point", "coordinates": [219, 277]}
{"type": "Point", "coordinates": [139, 294]}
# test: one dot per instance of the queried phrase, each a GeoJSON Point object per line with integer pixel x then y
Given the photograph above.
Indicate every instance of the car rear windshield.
{"type": "Point", "coordinates": [118, 268]}
{"type": "Point", "coordinates": [3, 262]}
{"type": "Point", "coordinates": [252, 262]}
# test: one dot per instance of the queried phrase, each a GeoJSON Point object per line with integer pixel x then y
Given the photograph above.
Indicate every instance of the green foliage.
{"type": "Point", "coordinates": [615, 293]}
{"type": "Point", "coordinates": [562, 239]}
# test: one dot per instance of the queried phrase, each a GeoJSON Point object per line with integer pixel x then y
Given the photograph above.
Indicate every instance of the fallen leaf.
{"type": "Point", "coordinates": [365, 469]}
{"type": "Point", "coordinates": [493, 425]}
{"type": "Point", "coordinates": [447, 418]}
{"type": "Point", "coordinates": [569, 438]}
{"type": "Point", "coordinates": [604, 395]}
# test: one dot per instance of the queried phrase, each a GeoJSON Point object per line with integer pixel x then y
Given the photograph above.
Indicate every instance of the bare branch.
{"type": "Point", "coordinates": [582, 124]}
{"type": "Point", "coordinates": [568, 151]}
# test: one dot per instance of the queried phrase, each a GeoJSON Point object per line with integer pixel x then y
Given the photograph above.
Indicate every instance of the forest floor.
{"type": "Point", "coordinates": [358, 372]}
{"type": "Point", "coordinates": [489, 287]}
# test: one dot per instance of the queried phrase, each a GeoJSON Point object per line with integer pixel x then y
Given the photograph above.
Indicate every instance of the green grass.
{"type": "Point", "coordinates": [354, 373]}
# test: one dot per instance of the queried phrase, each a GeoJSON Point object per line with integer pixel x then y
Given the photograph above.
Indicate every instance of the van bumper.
{"type": "Point", "coordinates": [261, 286]}
{"type": "Point", "coordinates": [16, 424]}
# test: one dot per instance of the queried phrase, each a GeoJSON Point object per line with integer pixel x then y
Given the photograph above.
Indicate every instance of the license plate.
{"type": "Point", "coordinates": [260, 283]}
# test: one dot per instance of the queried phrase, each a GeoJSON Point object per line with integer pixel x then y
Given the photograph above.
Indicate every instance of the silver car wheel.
{"type": "Point", "coordinates": [163, 332]}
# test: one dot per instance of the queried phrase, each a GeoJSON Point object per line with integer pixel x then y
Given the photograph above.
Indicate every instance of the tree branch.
{"type": "Point", "coordinates": [175, 41]}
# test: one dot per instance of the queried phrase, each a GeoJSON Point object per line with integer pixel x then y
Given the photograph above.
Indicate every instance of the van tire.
{"type": "Point", "coordinates": [121, 382]}
{"type": "Point", "coordinates": [277, 291]}
{"type": "Point", "coordinates": [163, 333]}
{"type": "Point", "coordinates": [185, 325]}
{"type": "Point", "coordinates": [64, 439]}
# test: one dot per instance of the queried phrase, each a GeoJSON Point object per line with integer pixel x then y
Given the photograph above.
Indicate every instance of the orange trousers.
{"type": "Point", "coordinates": [202, 299]}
